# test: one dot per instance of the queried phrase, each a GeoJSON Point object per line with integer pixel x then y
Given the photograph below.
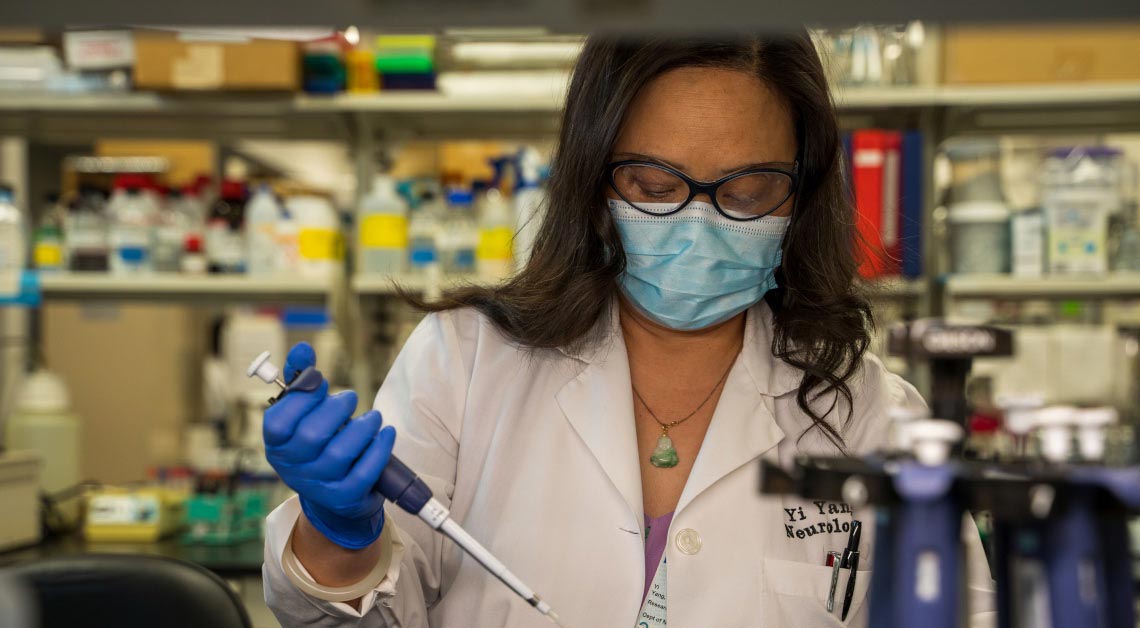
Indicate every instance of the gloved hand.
{"type": "Point", "coordinates": [333, 470]}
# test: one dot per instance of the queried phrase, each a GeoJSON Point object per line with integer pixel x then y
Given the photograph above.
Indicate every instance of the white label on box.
{"type": "Point", "coordinates": [122, 509]}
{"type": "Point", "coordinates": [1078, 231]}
{"type": "Point", "coordinates": [202, 67]}
{"type": "Point", "coordinates": [99, 50]}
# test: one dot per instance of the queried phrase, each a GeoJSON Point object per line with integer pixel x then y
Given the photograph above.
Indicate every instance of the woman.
{"type": "Point", "coordinates": [598, 421]}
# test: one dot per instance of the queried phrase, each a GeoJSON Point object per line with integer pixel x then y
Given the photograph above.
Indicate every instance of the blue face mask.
{"type": "Point", "coordinates": [696, 268]}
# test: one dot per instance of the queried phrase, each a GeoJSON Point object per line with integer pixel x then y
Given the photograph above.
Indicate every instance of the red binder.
{"type": "Point", "coordinates": [878, 241]}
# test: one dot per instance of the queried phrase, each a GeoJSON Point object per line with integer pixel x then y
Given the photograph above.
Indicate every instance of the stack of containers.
{"type": "Point", "coordinates": [976, 209]}
{"type": "Point", "coordinates": [406, 61]}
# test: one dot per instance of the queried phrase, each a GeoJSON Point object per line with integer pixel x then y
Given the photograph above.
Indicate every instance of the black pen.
{"type": "Point", "coordinates": [851, 561]}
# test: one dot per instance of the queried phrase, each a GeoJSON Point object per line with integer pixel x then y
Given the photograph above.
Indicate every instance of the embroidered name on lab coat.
{"type": "Point", "coordinates": [825, 518]}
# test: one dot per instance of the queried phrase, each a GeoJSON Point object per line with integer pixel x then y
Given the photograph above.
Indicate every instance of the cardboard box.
{"type": "Point", "coordinates": [1041, 53]}
{"type": "Point", "coordinates": [166, 61]}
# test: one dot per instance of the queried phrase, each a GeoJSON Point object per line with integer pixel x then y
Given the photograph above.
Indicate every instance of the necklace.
{"type": "Point", "coordinates": [664, 456]}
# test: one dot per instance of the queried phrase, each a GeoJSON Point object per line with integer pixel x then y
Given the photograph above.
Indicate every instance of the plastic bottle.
{"type": "Point", "coordinates": [530, 202]}
{"type": "Point", "coordinates": [319, 243]}
{"type": "Point", "coordinates": [193, 260]}
{"type": "Point", "coordinates": [496, 232]}
{"type": "Point", "coordinates": [262, 216]}
{"type": "Point", "coordinates": [132, 216]}
{"type": "Point", "coordinates": [169, 234]}
{"type": "Point", "coordinates": [382, 229]}
{"type": "Point", "coordinates": [288, 247]}
{"type": "Point", "coordinates": [12, 244]}
{"type": "Point", "coordinates": [460, 234]}
{"type": "Point", "coordinates": [423, 233]}
{"type": "Point", "coordinates": [85, 231]}
{"type": "Point", "coordinates": [225, 242]}
{"type": "Point", "coordinates": [47, 242]}
{"type": "Point", "coordinates": [43, 422]}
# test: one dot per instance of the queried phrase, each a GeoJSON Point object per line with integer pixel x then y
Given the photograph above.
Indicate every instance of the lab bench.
{"type": "Point", "coordinates": [238, 564]}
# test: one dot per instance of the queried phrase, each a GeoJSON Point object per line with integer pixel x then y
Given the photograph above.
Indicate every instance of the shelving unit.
{"type": "Point", "coordinates": [1124, 285]}
{"type": "Point", "coordinates": [182, 288]}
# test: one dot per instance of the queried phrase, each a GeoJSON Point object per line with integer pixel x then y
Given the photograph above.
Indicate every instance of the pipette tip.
{"type": "Point", "coordinates": [554, 619]}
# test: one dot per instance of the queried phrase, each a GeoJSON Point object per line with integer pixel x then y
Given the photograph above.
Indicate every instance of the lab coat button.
{"type": "Point", "coordinates": [688, 541]}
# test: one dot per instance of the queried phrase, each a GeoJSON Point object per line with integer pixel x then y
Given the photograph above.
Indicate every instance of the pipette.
{"type": "Point", "coordinates": [401, 486]}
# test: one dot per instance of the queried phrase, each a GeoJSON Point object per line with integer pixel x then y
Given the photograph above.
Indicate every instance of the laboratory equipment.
{"type": "Point", "coordinates": [13, 246]}
{"type": "Point", "coordinates": [19, 498]}
{"type": "Point", "coordinates": [319, 244]}
{"type": "Point", "coordinates": [975, 170]}
{"type": "Point", "coordinates": [131, 213]}
{"type": "Point", "coordinates": [47, 241]}
{"type": "Point", "coordinates": [979, 237]}
{"type": "Point", "coordinates": [496, 231]}
{"type": "Point", "coordinates": [401, 486]}
{"type": "Point", "coordinates": [86, 232]}
{"type": "Point", "coordinates": [1080, 191]}
{"type": "Point", "coordinates": [43, 422]}
{"type": "Point", "coordinates": [1059, 523]}
{"type": "Point", "coordinates": [382, 229]}
{"type": "Point", "coordinates": [261, 217]}
{"type": "Point", "coordinates": [424, 233]}
{"type": "Point", "coordinates": [133, 515]}
{"type": "Point", "coordinates": [460, 234]}
{"type": "Point", "coordinates": [225, 238]}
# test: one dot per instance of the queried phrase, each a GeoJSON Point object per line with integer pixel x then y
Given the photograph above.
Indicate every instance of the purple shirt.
{"type": "Point", "coordinates": [656, 537]}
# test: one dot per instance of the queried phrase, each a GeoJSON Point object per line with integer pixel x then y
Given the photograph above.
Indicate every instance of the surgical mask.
{"type": "Point", "coordinates": [696, 268]}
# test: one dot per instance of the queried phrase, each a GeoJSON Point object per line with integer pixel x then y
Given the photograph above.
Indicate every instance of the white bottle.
{"type": "Point", "coordinates": [530, 202]}
{"type": "Point", "coordinates": [424, 232]}
{"type": "Point", "coordinates": [288, 247]}
{"type": "Point", "coordinates": [496, 232]}
{"type": "Point", "coordinates": [13, 246]}
{"type": "Point", "coordinates": [460, 235]}
{"type": "Point", "coordinates": [43, 422]}
{"type": "Point", "coordinates": [132, 217]}
{"type": "Point", "coordinates": [382, 229]}
{"type": "Point", "coordinates": [262, 215]}
{"type": "Point", "coordinates": [319, 244]}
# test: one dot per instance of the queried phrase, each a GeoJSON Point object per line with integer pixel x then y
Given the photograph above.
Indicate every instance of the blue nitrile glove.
{"type": "Point", "coordinates": [333, 470]}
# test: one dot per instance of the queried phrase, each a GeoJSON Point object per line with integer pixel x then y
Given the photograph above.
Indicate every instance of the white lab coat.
{"type": "Point", "coordinates": [536, 453]}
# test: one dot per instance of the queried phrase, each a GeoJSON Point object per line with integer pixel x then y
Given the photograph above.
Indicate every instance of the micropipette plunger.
{"type": "Point", "coordinates": [401, 486]}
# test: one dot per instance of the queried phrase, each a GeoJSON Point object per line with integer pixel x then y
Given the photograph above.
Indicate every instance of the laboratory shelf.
{"type": "Point", "coordinates": [894, 288]}
{"type": "Point", "coordinates": [1053, 94]}
{"type": "Point", "coordinates": [385, 285]}
{"type": "Point", "coordinates": [182, 288]}
{"type": "Point", "coordinates": [429, 102]}
{"type": "Point", "coordinates": [1119, 285]}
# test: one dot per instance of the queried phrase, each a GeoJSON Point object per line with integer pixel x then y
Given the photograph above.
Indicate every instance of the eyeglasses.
{"type": "Point", "coordinates": [659, 190]}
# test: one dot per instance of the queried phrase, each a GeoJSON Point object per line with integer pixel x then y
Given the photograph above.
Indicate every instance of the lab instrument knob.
{"type": "Point", "coordinates": [932, 440]}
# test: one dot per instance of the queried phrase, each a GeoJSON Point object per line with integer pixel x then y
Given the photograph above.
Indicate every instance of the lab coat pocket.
{"type": "Point", "coordinates": [796, 595]}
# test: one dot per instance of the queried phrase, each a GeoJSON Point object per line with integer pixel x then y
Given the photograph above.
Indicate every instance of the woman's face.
{"type": "Point", "coordinates": [708, 123]}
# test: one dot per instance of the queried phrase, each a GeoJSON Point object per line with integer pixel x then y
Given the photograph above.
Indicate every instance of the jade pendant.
{"type": "Point", "coordinates": [664, 456]}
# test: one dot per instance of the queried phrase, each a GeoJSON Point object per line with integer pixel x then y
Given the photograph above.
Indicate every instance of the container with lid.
{"type": "Point", "coordinates": [43, 422]}
{"type": "Point", "coordinates": [1080, 191]}
{"type": "Point", "coordinates": [979, 237]}
{"type": "Point", "coordinates": [975, 165]}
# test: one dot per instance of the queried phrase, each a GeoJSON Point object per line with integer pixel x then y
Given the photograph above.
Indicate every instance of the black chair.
{"type": "Point", "coordinates": [129, 591]}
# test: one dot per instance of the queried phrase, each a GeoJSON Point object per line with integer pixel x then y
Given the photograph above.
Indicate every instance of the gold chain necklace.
{"type": "Point", "coordinates": [664, 456]}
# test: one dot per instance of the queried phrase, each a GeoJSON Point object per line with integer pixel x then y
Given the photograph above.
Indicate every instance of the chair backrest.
{"type": "Point", "coordinates": [129, 591]}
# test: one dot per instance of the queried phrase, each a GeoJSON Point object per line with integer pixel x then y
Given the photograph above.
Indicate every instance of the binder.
{"type": "Point", "coordinates": [868, 156]}
{"type": "Point", "coordinates": [912, 204]}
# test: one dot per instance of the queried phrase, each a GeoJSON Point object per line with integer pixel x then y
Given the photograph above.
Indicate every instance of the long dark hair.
{"type": "Point", "coordinates": [821, 322]}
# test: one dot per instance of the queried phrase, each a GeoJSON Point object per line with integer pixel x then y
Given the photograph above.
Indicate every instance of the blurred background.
{"type": "Point", "coordinates": [177, 199]}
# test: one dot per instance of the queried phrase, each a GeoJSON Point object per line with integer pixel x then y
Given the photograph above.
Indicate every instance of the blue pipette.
{"type": "Point", "coordinates": [401, 486]}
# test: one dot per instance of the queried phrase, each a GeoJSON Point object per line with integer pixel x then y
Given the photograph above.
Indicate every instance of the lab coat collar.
{"type": "Point", "coordinates": [598, 403]}
{"type": "Point", "coordinates": [771, 376]}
